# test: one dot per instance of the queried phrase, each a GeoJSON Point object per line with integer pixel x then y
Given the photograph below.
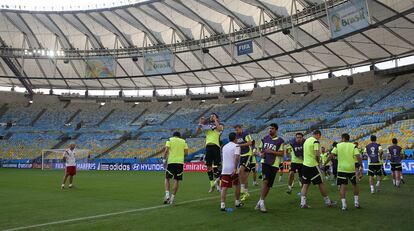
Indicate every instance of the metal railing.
{"type": "Point", "coordinates": [273, 26]}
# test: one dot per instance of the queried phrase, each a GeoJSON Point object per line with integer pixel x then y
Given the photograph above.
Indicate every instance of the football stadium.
{"type": "Point", "coordinates": [206, 115]}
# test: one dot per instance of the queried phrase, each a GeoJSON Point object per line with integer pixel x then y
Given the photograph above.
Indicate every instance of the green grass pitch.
{"type": "Point", "coordinates": [31, 197]}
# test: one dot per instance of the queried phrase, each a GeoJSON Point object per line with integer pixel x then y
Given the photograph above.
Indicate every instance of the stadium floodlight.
{"type": "Point", "coordinates": [169, 103]}
{"type": "Point", "coordinates": [136, 103]}
{"type": "Point", "coordinates": [237, 99]}
{"type": "Point", "coordinates": [31, 101]}
{"type": "Point", "coordinates": [203, 100]}
{"type": "Point", "coordinates": [102, 103]}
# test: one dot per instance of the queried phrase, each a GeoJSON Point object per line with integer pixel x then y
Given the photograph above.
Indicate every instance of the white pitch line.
{"type": "Point", "coordinates": [118, 213]}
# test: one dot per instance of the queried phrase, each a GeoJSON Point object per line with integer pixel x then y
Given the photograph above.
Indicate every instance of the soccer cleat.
{"type": "Point", "coordinates": [255, 183]}
{"type": "Point", "coordinates": [211, 189]}
{"type": "Point", "coordinates": [245, 196]}
{"type": "Point", "coordinates": [223, 209]}
{"type": "Point", "coordinates": [171, 201]}
{"type": "Point", "coordinates": [166, 200]}
{"type": "Point", "coordinates": [289, 191]}
{"type": "Point", "coordinates": [305, 206]}
{"type": "Point", "coordinates": [262, 208]}
{"type": "Point", "coordinates": [70, 186]}
{"type": "Point", "coordinates": [62, 186]}
{"type": "Point", "coordinates": [344, 208]}
{"type": "Point", "coordinates": [357, 206]}
{"type": "Point", "coordinates": [331, 204]}
{"type": "Point", "coordinates": [239, 205]}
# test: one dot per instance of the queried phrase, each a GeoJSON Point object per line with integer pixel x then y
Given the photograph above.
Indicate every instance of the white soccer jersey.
{"type": "Point", "coordinates": [70, 157]}
{"type": "Point", "coordinates": [230, 151]}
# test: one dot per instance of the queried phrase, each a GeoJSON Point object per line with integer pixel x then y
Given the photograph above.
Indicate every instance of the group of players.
{"type": "Point", "coordinates": [230, 164]}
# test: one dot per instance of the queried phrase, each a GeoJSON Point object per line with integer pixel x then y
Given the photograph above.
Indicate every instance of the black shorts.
{"type": "Point", "coordinates": [311, 174]}
{"type": "Point", "coordinates": [295, 167]}
{"type": "Point", "coordinates": [252, 167]}
{"type": "Point", "coordinates": [281, 166]}
{"type": "Point", "coordinates": [343, 178]}
{"type": "Point", "coordinates": [396, 167]}
{"type": "Point", "coordinates": [174, 171]}
{"type": "Point", "coordinates": [269, 174]}
{"type": "Point", "coordinates": [375, 170]}
{"type": "Point", "coordinates": [245, 161]}
{"type": "Point", "coordinates": [357, 166]}
{"type": "Point", "coordinates": [213, 156]}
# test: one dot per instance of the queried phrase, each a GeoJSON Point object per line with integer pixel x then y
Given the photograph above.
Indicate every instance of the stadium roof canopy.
{"type": "Point", "coordinates": [45, 47]}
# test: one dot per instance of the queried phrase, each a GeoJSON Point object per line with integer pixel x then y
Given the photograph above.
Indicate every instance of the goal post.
{"type": "Point", "coordinates": [53, 156]}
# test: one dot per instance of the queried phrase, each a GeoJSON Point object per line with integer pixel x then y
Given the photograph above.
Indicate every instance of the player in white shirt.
{"type": "Point", "coordinates": [230, 171]}
{"type": "Point", "coordinates": [70, 164]}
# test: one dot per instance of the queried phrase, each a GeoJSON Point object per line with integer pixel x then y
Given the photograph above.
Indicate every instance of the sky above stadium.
{"type": "Point", "coordinates": [63, 5]}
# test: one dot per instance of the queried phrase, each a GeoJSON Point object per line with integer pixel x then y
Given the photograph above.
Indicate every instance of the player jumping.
{"type": "Point", "coordinates": [213, 130]}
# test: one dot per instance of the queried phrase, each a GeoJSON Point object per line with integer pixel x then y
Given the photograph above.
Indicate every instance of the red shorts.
{"type": "Point", "coordinates": [228, 181]}
{"type": "Point", "coordinates": [71, 170]}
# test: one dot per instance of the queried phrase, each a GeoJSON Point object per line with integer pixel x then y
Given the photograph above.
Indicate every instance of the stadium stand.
{"type": "Point", "coordinates": [128, 130]}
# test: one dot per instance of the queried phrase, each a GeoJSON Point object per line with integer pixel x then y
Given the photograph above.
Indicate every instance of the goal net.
{"type": "Point", "coordinates": [55, 156]}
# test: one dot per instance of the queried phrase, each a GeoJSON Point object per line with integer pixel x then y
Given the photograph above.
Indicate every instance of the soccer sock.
{"type": "Point", "coordinates": [356, 200]}
{"type": "Point", "coordinates": [290, 187]}
{"type": "Point", "coordinates": [172, 197]}
{"type": "Point", "coordinates": [237, 202]}
{"type": "Point", "coordinates": [242, 188]}
{"type": "Point", "coordinates": [222, 205]}
{"type": "Point", "coordinates": [378, 183]}
{"type": "Point", "coordinates": [167, 194]}
{"type": "Point", "coordinates": [212, 183]}
{"type": "Point", "coordinates": [261, 202]}
{"type": "Point", "coordinates": [372, 188]}
{"type": "Point", "coordinates": [397, 183]}
{"type": "Point", "coordinates": [343, 200]}
{"type": "Point", "coordinates": [393, 182]}
{"type": "Point", "coordinates": [302, 200]}
{"type": "Point", "coordinates": [327, 200]}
